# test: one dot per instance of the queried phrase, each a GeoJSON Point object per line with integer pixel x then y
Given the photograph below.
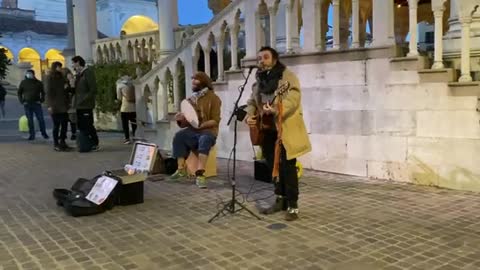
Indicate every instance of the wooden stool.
{"type": "Point", "coordinates": [210, 167]}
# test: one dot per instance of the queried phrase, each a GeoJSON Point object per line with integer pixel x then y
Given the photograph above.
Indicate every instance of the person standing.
{"type": "Point", "coordinates": [72, 114]}
{"type": "Point", "coordinates": [85, 92]}
{"type": "Point", "coordinates": [294, 141]}
{"type": "Point", "coordinates": [126, 95]}
{"type": "Point", "coordinates": [57, 102]}
{"type": "Point", "coordinates": [31, 94]}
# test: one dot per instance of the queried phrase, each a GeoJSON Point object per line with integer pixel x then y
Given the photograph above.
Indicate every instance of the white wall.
{"type": "Point", "coordinates": [378, 123]}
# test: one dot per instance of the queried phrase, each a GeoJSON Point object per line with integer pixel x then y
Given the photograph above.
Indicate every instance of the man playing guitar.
{"type": "Point", "coordinates": [199, 138]}
{"type": "Point", "coordinates": [288, 133]}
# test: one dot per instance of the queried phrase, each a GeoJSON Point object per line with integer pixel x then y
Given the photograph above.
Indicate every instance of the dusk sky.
{"type": "Point", "coordinates": [193, 11]}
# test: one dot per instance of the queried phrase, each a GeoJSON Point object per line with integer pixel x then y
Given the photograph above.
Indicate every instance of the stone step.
{"type": "Point", "coordinates": [403, 77]}
{"type": "Point", "coordinates": [437, 75]}
{"type": "Point", "coordinates": [463, 89]}
{"type": "Point", "coordinates": [409, 63]}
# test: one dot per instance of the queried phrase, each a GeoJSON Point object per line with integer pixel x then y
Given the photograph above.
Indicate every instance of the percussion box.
{"type": "Point", "coordinates": [262, 171]}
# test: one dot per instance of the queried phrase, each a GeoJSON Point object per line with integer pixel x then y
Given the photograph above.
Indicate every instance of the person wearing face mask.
{"type": "Point", "coordinates": [85, 92]}
{"type": "Point", "coordinates": [207, 105]}
{"type": "Point", "coordinates": [31, 94]}
{"type": "Point", "coordinates": [294, 141]}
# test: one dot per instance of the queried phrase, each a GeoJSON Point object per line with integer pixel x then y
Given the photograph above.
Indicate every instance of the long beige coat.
{"type": "Point", "coordinates": [294, 136]}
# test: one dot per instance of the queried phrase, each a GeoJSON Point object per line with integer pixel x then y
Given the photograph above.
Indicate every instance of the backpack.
{"type": "Point", "coordinates": [130, 93]}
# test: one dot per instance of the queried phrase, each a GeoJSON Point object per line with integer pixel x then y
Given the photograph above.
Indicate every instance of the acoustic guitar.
{"type": "Point", "coordinates": [266, 121]}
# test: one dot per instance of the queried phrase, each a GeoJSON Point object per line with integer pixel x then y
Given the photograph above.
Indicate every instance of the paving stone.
{"type": "Point", "coordinates": [344, 221]}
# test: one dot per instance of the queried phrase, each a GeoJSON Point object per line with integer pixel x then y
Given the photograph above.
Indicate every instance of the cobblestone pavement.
{"type": "Point", "coordinates": [346, 222]}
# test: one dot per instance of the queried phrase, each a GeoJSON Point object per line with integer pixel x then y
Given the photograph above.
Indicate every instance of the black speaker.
{"type": "Point", "coordinates": [262, 171]}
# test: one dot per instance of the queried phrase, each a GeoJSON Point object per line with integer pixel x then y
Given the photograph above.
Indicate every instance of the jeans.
{"type": "Point", "coordinates": [85, 124]}
{"type": "Point", "coordinates": [126, 118]}
{"type": "Point", "coordinates": [72, 119]}
{"type": "Point", "coordinates": [188, 139]}
{"type": "Point", "coordinates": [60, 123]}
{"type": "Point", "coordinates": [287, 186]}
{"type": "Point", "coordinates": [30, 110]}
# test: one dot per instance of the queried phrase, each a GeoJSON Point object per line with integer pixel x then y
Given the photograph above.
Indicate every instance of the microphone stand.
{"type": "Point", "coordinates": [230, 206]}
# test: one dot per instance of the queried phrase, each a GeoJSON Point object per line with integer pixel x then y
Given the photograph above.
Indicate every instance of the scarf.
{"type": "Point", "coordinates": [267, 80]}
{"type": "Point", "coordinates": [196, 95]}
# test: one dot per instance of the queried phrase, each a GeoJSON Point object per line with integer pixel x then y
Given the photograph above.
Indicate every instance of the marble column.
{"type": "Point", "coordinates": [206, 57]}
{"type": "Point", "coordinates": [167, 41]}
{"type": "Point", "coordinates": [260, 34]}
{"type": "Point", "coordinates": [234, 46]}
{"type": "Point", "coordinates": [176, 90]}
{"type": "Point", "coordinates": [383, 23]}
{"type": "Point", "coordinates": [85, 30]}
{"type": "Point", "coordinates": [465, 58]}
{"type": "Point", "coordinates": [438, 58]}
{"type": "Point", "coordinates": [69, 51]}
{"type": "Point", "coordinates": [281, 39]}
{"type": "Point", "coordinates": [413, 28]}
{"type": "Point", "coordinates": [336, 24]}
{"type": "Point", "coordinates": [310, 13]}
{"type": "Point", "coordinates": [289, 26]}
{"type": "Point", "coordinates": [250, 31]}
{"type": "Point", "coordinates": [272, 11]}
{"type": "Point", "coordinates": [294, 30]}
{"type": "Point", "coordinates": [220, 45]}
{"type": "Point", "coordinates": [188, 65]}
{"type": "Point", "coordinates": [355, 23]}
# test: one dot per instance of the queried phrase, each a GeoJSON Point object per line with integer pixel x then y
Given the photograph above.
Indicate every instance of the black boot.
{"type": "Point", "coordinates": [279, 205]}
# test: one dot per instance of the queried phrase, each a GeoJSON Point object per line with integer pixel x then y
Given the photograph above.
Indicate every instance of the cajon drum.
{"type": "Point", "coordinates": [210, 167]}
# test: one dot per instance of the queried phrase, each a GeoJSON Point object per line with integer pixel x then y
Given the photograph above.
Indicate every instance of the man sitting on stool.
{"type": "Point", "coordinates": [207, 105]}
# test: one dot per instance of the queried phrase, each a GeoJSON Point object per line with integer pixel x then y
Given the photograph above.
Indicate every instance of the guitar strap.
{"type": "Point", "coordinates": [278, 143]}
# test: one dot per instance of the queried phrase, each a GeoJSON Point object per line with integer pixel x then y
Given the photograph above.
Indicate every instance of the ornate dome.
{"type": "Point", "coordinates": [217, 5]}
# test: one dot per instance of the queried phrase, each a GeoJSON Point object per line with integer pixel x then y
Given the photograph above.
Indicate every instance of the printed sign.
{"type": "Point", "coordinates": [101, 190]}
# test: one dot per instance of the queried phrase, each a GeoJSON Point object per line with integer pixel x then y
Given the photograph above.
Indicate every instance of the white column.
{"type": "Point", "coordinates": [250, 33]}
{"type": "Point", "coordinates": [413, 29]}
{"type": "Point", "coordinates": [162, 102]}
{"type": "Point", "coordinates": [150, 52]}
{"type": "Point", "coordinates": [206, 57]}
{"type": "Point", "coordinates": [85, 30]}
{"type": "Point", "coordinates": [281, 45]}
{"type": "Point", "coordinates": [438, 60]}
{"type": "Point", "coordinates": [383, 23]}
{"type": "Point", "coordinates": [188, 64]}
{"type": "Point", "coordinates": [167, 42]}
{"type": "Point", "coordinates": [336, 24]}
{"type": "Point", "coordinates": [69, 51]}
{"type": "Point", "coordinates": [466, 77]}
{"type": "Point", "coordinates": [310, 30]}
{"type": "Point", "coordinates": [355, 23]}
{"type": "Point", "coordinates": [295, 34]}
{"type": "Point", "coordinates": [176, 91]}
{"type": "Point", "coordinates": [154, 104]}
{"type": "Point", "coordinates": [175, 13]}
{"type": "Point", "coordinates": [273, 26]}
{"type": "Point", "coordinates": [320, 17]}
{"type": "Point", "coordinates": [234, 46]}
{"type": "Point", "coordinates": [259, 32]}
{"type": "Point", "coordinates": [163, 96]}
{"type": "Point", "coordinates": [289, 26]}
{"type": "Point", "coordinates": [220, 45]}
